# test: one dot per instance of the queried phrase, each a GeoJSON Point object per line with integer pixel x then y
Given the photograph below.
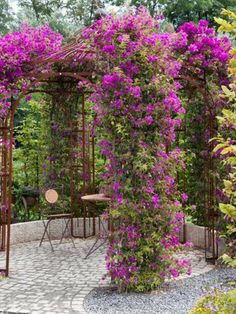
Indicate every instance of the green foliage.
{"type": "Point", "coordinates": [60, 168]}
{"type": "Point", "coordinates": [222, 303]}
{"type": "Point", "coordinates": [193, 142]}
{"type": "Point", "coordinates": [63, 16]}
{"type": "Point", "coordinates": [28, 153]}
{"type": "Point", "coordinates": [69, 16]}
{"type": "Point", "coordinates": [6, 17]}
{"type": "Point", "coordinates": [82, 12]}
{"type": "Point", "coordinates": [180, 11]}
{"type": "Point", "coordinates": [227, 26]}
{"type": "Point", "coordinates": [227, 148]}
{"type": "Point", "coordinates": [47, 150]}
{"type": "Point", "coordinates": [27, 157]}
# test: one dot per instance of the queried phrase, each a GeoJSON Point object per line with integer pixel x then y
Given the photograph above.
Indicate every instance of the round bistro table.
{"type": "Point", "coordinates": [97, 198]}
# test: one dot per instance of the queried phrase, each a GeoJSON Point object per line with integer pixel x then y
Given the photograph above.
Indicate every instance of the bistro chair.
{"type": "Point", "coordinates": [56, 213]}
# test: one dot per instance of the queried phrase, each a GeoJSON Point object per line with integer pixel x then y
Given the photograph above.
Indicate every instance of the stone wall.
{"type": "Point", "coordinates": [196, 235]}
{"type": "Point", "coordinates": [33, 231]}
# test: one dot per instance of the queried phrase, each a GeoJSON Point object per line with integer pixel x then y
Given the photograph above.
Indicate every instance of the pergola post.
{"type": "Point", "coordinates": [5, 188]}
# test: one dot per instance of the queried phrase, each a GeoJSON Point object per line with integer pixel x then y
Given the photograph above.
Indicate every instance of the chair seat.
{"type": "Point", "coordinates": [58, 216]}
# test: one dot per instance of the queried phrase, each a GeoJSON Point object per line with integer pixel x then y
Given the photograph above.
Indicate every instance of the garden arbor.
{"type": "Point", "coordinates": [80, 138]}
{"type": "Point", "coordinates": [147, 83]}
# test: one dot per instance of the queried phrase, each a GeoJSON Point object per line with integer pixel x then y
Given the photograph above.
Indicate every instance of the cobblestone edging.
{"type": "Point", "coordinates": [45, 282]}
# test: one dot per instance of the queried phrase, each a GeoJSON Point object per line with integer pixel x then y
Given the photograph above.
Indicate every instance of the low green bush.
{"type": "Point", "coordinates": [218, 302]}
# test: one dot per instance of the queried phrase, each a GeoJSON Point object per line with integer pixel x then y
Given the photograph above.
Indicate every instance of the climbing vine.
{"type": "Point", "coordinates": [136, 101]}
{"type": "Point", "coordinates": [146, 85]}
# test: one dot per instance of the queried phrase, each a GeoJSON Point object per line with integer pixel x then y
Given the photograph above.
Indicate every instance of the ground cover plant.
{"type": "Point", "coordinates": [218, 302]}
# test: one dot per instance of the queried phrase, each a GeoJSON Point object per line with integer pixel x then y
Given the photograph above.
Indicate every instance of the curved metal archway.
{"type": "Point", "coordinates": [6, 166]}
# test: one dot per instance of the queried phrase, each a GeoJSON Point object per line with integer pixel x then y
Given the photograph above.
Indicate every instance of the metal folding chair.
{"type": "Point", "coordinates": [51, 197]}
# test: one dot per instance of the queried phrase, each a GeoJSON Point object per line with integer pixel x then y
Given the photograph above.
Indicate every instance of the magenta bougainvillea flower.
{"type": "Point", "coordinates": [17, 50]}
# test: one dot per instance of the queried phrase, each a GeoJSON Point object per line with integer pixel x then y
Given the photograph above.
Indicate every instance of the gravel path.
{"type": "Point", "coordinates": [176, 297]}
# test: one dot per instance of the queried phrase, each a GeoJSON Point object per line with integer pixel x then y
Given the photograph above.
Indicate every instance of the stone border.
{"type": "Point", "coordinates": [33, 230]}
{"type": "Point", "coordinates": [196, 235]}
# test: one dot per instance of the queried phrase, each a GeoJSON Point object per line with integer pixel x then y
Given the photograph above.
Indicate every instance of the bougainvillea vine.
{"type": "Point", "coordinates": [141, 76]}
{"type": "Point", "coordinates": [17, 50]}
{"type": "Point", "coordinates": [137, 103]}
{"type": "Point", "coordinates": [204, 69]}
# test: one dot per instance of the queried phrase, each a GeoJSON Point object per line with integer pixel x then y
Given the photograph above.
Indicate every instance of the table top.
{"type": "Point", "coordinates": [96, 198]}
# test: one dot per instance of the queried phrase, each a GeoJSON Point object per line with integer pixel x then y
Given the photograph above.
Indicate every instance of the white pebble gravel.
{"type": "Point", "coordinates": [176, 297]}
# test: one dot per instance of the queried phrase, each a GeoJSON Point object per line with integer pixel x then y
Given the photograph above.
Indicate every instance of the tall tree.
{"type": "Point", "coordinates": [64, 16]}
{"type": "Point", "coordinates": [42, 8]}
{"type": "Point", "coordinates": [180, 11]}
{"type": "Point", "coordinates": [6, 17]}
{"type": "Point", "coordinates": [83, 11]}
{"type": "Point", "coordinates": [38, 12]}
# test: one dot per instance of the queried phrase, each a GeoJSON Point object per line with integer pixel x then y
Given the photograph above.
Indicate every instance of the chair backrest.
{"type": "Point", "coordinates": [51, 196]}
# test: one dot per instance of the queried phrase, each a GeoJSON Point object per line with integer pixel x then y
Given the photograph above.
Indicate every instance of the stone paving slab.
{"type": "Point", "coordinates": [42, 281]}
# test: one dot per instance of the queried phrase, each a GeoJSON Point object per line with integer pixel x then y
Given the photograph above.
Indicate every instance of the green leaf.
{"type": "Point", "coordinates": [219, 146]}
{"type": "Point", "coordinates": [226, 150]}
{"type": "Point", "coordinates": [229, 260]}
{"type": "Point", "coordinates": [228, 209]}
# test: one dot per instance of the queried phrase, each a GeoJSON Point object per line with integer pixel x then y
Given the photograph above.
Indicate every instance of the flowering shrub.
{"type": "Point", "coordinates": [137, 104]}
{"type": "Point", "coordinates": [17, 50]}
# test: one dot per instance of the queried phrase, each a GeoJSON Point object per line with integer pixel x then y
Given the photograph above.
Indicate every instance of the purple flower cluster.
{"type": "Point", "coordinates": [17, 50]}
{"type": "Point", "coordinates": [4, 208]}
{"type": "Point", "coordinates": [203, 48]}
{"type": "Point", "coordinates": [124, 267]}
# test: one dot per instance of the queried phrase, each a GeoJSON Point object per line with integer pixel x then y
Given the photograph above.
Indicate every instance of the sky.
{"type": "Point", "coordinates": [13, 4]}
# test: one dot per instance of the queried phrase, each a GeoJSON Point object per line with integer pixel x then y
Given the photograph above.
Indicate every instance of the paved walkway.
{"type": "Point", "coordinates": [45, 282]}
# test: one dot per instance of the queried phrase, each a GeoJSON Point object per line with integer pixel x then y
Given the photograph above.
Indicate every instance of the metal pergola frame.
{"type": "Point", "coordinates": [6, 148]}
{"type": "Point", "coordinates": [211, 214]}
{"type": "Point", "coordinates": [75, 51]}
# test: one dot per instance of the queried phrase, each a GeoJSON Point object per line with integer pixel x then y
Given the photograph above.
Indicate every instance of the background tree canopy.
{"type": "Point", "coordinates": [63, 16]}
{"type": "Point", "coordinates": [69, 16]}
{"type": "Point", "coordinates": [180, 11]}
{"type": "Point", "coordinates": [6, 17]}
